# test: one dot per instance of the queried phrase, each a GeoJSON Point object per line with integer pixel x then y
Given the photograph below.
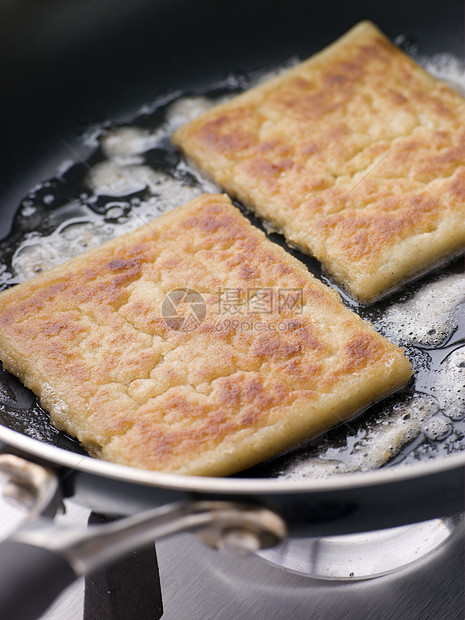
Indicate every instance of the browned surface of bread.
{"type": "Point", "coordinates": [90, 339]}
{"type": "Point", "coordinates": [357, 155]}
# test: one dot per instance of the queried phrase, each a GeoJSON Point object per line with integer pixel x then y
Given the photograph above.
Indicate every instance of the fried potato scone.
{"type": "Point", "coordinates": [356, 155]}
{"type": "Point", "coordinates": [192, 345]}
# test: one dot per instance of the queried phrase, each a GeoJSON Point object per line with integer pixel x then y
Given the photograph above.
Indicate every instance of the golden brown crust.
{"type": "Point", "coordinates": [357, 155]}
{"type": "Point", "coordinates": [90, 339]}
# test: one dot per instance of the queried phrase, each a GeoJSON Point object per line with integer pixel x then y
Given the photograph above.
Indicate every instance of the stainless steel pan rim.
{"type": "Point", "coordinates": [258, 486]}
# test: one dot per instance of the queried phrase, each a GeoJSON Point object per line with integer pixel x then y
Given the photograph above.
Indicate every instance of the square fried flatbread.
{"type": "Point", "coordinates": [356, 155]}
{"type": "Point", "coordinates": [192, 345]}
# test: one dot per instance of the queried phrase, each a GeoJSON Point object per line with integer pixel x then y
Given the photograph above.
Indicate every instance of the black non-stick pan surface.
{"type": "Point", "coordinates": [68, 66]}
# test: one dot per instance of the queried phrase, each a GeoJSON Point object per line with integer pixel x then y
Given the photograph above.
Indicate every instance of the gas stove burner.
{"type": "Point", "coordinates": [363, 555]}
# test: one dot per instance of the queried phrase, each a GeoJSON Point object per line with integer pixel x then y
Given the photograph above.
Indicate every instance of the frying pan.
{"type": "Point", "coordinates": [68, 66]}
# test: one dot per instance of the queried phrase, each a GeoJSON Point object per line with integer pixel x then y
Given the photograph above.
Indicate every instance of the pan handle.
{"type": "Point", "coordinates": [31, 579]}
{"type": "Point", "coordinates": [42, 558]}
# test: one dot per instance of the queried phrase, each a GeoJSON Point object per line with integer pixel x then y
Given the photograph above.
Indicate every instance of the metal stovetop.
{"type": "Point", "coordinates": [201, 584]}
